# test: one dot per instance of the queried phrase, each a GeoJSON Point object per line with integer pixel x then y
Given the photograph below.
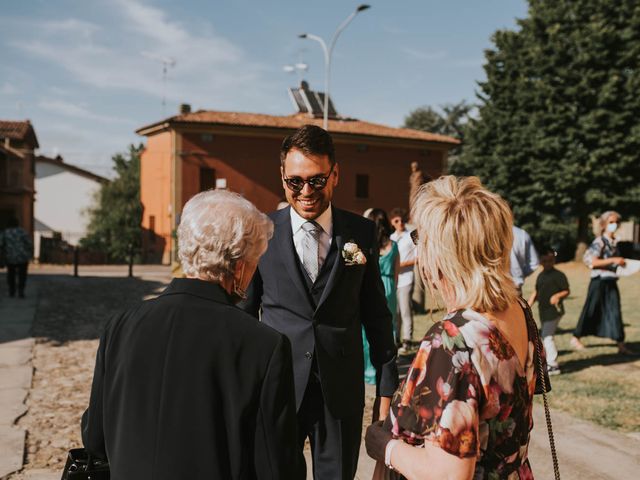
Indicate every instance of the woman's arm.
{"type": "Point", "coordinates": [605, 262]}
{"type": "Point", "coordinates": [425, 463]}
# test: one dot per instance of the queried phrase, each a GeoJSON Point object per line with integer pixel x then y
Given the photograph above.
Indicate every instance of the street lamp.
{"type": "Point", "coordinates": [327, 57]}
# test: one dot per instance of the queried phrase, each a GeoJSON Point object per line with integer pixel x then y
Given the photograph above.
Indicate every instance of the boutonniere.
{"type": "Point", "coordinates": [353, 255]}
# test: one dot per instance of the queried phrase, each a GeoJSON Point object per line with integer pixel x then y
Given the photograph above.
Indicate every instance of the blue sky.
{"type": "Point", "coordinates": [88, 73]}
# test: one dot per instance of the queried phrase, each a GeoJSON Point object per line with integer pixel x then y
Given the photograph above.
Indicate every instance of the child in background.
{"type": "Point", "coordinates": [552, 287]}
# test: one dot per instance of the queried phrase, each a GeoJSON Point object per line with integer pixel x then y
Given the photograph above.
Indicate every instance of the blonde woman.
{"type": "Point", "coordinates": [464, 410]}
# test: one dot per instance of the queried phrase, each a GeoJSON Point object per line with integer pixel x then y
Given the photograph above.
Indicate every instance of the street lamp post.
{"type": "Point", "coordinates": [327, 57]}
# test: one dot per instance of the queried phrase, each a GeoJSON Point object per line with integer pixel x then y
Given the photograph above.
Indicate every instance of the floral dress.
{"type": "Point", "coordinates": [467, 392]}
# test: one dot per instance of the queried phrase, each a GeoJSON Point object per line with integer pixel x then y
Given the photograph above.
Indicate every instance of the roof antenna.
{"type": "Point", "coordinates": [166, 63]}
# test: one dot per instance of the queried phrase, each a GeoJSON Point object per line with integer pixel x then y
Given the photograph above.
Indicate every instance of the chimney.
{"type": "Point", "coordinates": [185, 108]}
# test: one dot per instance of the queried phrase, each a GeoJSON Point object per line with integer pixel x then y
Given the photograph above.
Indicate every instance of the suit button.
{"type": "Point", "coordinates": [308, 355]}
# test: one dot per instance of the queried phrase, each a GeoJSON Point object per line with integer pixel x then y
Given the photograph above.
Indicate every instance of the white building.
{"type": "Point", "coordinates": [63, 195]}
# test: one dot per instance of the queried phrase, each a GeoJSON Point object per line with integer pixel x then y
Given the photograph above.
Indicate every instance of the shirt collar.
{"type": "Point", "coordinates": [325, 220]}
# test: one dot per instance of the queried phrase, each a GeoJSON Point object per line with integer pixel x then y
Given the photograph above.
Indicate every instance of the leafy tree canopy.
{"type": "Point", "coordinates": [114, 220]}
{"type": "Point", "coordinates": [451, 119]}
{"type": "Point", "coordinates": [558, 129]}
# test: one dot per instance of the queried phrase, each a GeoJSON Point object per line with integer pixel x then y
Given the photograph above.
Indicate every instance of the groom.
{"type": "Point", "coordinates": [319, 283]}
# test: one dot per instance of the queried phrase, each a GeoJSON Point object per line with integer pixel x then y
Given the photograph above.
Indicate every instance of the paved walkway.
{"type": "Point", "coordinates": [586, 451]}
{"type": "Point", "coordinates": [16, 348]}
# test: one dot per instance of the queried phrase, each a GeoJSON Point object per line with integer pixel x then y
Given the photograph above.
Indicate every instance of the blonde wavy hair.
{"type": "Point", "coordinates": [464, 240]}
{"type": "Point", "coordinates": [218, 228]}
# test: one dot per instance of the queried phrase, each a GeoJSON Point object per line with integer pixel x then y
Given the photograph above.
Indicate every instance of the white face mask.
{"type": "Point", "coordinates": [612, 227]}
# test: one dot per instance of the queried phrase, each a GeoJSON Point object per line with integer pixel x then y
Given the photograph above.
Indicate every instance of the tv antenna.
{"type": "Point", "coordinates": [167, 62]}
{"type": "Point", "coordinates": [299, 67]}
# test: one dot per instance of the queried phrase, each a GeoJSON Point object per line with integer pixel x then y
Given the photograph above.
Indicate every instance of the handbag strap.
{"type": "Point", "coordinates": [547, 414]}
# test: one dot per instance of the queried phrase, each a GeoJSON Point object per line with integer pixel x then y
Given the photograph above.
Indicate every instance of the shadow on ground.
{"type": "Point", "coordinates": [604, 359]}
{"type": "Point", "coordinates": [77, 308]}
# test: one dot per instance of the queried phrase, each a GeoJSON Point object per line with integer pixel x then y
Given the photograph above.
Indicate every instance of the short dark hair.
{"type": "Point", "coordinates": [399, 212]}
{"type": "Point", "coordinates": [310, 140]}
{"type": "Point", "coordinates": [548, 250]}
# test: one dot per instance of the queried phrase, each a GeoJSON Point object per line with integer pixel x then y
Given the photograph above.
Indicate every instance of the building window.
{"type": "Point", "coordinates": [152, 229]}
{"type": "Point", "coordinates": [362, 186]}
{"type": "Point", "coordinates": [206, 137]}
{"type": "Point", "coordinates": [207, 178]}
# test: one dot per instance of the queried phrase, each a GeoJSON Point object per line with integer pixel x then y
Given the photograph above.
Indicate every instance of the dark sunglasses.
{"type": "Point", "coordinates": [296, 184]}
{"type": "Point", "coordinates": [414, 236]}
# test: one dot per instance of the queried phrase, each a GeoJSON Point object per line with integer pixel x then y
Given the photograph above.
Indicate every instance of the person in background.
{"type": "Point", "coordinates": [389, 261]}
{"type": "Point", "coordinates": [405, 277]}
{"type": "Point", "coordinates": [187, 385]}
{"type": "Point", "coordinates": [465, 408]}
{"type": "Point", "coordinates": [601, 314]}
{"type": "Point", "coordinates": [18, 251]}
{"type": "Point", "coordinates": [552, 286]}
{"type": "Point", "coordinates": [524, 258]}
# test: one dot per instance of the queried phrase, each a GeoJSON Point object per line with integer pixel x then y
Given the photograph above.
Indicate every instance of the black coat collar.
{"type": "Point", "coordinates": [199, 288]}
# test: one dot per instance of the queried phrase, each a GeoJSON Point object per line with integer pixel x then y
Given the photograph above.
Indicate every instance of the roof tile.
{"type": "Point", "coordinates": [347, 126]}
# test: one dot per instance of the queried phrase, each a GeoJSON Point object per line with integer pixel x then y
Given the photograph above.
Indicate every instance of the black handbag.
{"type": "Point", "coordinates": [81, 466]}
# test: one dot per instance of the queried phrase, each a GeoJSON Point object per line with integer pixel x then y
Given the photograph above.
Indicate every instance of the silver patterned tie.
{"type": "Point", "coordinates": [310, 248]}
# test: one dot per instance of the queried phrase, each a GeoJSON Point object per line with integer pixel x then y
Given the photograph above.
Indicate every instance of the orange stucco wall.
{"type": "Point", "coordinates": [250, 166]}
{"type": "Point", "coordinates": [155, 195]}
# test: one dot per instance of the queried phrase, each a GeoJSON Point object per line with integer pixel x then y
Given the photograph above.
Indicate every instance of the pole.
{"type": "Point", "coordinates": [76, 256]}
{"type": "Point", "coordinates": [327, 59]}
{"type": "Point", "coordinates": [130, 260]}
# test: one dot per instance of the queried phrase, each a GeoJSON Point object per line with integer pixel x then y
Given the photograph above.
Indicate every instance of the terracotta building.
{"type": "Point", "coordinates": [18, 142]}
{"type": "Point", "coordinates": [196, 151]}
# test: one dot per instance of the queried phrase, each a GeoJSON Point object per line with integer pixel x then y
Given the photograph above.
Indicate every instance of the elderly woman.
{"type": "Point", "coordinates": [187, 385]}
{"type": "Point", "coordinates": [464, 410]}
{"type": "Point", "coordinates": [601, 315]}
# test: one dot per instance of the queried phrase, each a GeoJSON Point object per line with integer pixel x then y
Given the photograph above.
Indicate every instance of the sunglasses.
{"type": "Point", "coordinates": [296, 184]}
{"type": "Point", "coordinates": [414, 236]}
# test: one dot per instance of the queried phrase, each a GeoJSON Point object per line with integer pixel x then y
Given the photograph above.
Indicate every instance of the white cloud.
{"type": "Point", "coordinates": [69, 109]}
{"type": "Point", "coordinates": [210, 70]}
{"type": "Point", "coordinates": [8, 89]}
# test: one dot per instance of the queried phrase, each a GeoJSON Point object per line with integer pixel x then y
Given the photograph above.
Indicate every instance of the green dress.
{"type": "Point", "coordinates": [387, 272]}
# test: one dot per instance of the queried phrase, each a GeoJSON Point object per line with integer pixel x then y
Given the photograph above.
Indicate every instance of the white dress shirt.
{"type": "Point", "coordinates": [325, 221]}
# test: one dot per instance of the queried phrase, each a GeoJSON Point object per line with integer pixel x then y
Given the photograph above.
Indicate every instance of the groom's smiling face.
{"type": "Point", "coordinates": [309, 203]}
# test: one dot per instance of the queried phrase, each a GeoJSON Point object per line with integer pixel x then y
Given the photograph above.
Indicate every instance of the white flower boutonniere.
{"type": "Point", "coordinates": [353, 255]}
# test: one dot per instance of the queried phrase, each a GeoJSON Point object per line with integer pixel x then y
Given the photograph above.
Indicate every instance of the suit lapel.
{"type": "Point", "coordinates": [283, 237]}
{"type": "Point", "coordinates": [340, 236]}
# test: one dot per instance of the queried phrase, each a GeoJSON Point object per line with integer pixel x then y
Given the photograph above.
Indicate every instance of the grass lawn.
{"type": "Point", "coordinates": [596, 384]}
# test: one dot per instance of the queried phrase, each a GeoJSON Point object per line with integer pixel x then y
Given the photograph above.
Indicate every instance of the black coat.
{"type": "Point", "coordinates": [189, 386]}
{"type": "Point", "coordinates": [325, 319]}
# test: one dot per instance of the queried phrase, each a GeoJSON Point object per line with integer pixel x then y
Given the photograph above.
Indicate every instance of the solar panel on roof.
{"type": "Point", "coordinates": [308, 101]}
{"type": "Point", "coordinates": [297, 100]}
{"type": "Point", "coordinates": [332, 110]}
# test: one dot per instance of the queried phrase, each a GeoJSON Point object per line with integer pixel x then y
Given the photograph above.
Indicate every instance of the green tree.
{"type": "Point", "coordinates": [450, 120]}
{"type": "Point", "coordinates": [114, 220]}
{"type": "Point", "coordinates": [558, 129]}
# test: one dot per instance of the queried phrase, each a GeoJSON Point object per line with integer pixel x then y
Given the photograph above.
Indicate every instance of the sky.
{"type": "Point", "coordinates": [88, 73]}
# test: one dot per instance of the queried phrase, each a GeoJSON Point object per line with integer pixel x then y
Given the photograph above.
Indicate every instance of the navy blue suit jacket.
{"type": "Point", "coordinates": [328, 324]}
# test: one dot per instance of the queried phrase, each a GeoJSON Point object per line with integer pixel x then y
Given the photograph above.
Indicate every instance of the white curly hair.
{"type": "Point", "coordinates": [218, 228]}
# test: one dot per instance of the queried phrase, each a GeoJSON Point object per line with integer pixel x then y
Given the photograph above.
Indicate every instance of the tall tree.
{"type": "Point", "coordinates": [558, 128]}
{"type": "Point", "coordinates": [114, 220]}
{"type": "Point", "coordinates": [450, 120]}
